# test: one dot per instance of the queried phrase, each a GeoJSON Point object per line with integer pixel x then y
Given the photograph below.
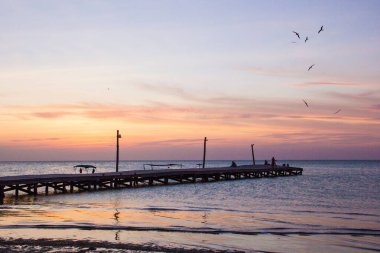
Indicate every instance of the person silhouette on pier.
{"type": "Point", "coordinates": [273, 164]}
{"type": "Point", "coordinates": [80, 170]}
{"type": "Point", "coordinates": [233, 164]}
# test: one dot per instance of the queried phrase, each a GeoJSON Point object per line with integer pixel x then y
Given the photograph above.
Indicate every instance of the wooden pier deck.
{"type": "Point", "coordinates": [70, 183]}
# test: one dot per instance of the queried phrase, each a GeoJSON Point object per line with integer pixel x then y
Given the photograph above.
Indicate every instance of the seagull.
{"type": "Point", "coordinates": [307, 105]}
{"type": "Point", "coordinates": [307, 38]}
{"type": "Point", "coordinates": [298, 35]}
{"type": "Point", "coordinates": [337, 111]}
{"type": "Point", "coordinates": [320, 30]}
{"type": "Point", "coordinates": [310, 67]}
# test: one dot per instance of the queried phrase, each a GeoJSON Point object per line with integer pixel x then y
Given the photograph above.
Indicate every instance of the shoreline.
{"type": "Point", "coordinates": [12, 245]}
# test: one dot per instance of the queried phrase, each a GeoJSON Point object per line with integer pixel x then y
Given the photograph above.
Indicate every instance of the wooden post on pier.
{"type": "Point", "coordinates": [118, 136]}
{"type": "Point", "coordinates": [253, 155]}
{"type": "Point", "coordinates": [204, 152]}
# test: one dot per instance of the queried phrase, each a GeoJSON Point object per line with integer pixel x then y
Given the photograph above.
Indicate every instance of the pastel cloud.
{"type": "Point", "coordinates": [242, 111]}
{"type": "Point", "coordinates": [368, 96]}
{"type": "Point", "coordinates": [275, 72]}
{"type": "Point", "coordinates": [164, 89]}
{"type": "Point", "coordinates": [173, 142]}
{"type": "Point", "coordinates": [155, 128]}
{"type": "Point", "coordinates": [323, 137]}
{"type": "Point", "coordinates": [36, 139]}
{"type": "Point", "coordinates": [325, 83]}
{"type": "Point", "coordinates": [50, 115]}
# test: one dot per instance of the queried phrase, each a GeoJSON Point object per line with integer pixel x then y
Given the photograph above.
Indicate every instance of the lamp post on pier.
{"type": "Point", "coordinates": [118, 136]}
{"type": "Point", "coordinates": [204, 151]}
{"type": "Point", "coordinates": [253, 155]}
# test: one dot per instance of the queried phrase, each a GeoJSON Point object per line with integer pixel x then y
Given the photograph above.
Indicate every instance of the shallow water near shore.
{"type": "Point", "coordinates": [333, 207]}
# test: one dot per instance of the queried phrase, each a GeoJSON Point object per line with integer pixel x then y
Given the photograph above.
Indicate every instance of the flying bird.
{"type": "Point", "coordinates": [310, 67]}
{"type": "Point", "coordinates": [320, 30]}
{"type": "Point", "coordinates": [298, 35]}
{"type": "Point", "coordinates": [307, 38]}
{"type": "Point", "coordinates": [307, 105]}
{"type": "Point", "coordinates": [337, 111]}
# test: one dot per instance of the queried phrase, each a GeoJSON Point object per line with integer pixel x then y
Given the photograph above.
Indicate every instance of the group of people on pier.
{"type": "Point", "coordinates": [273, 163]}
{"type": "Point", "coordinates": [80, 171]}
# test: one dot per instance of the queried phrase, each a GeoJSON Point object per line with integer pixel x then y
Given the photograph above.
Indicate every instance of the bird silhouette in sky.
{"type": "Point", "coordinates": [307, 38]}
{"type": "Point", "coordinates": [310, 67]}
{"type": "Point", "coordinates": [337, 111]}
{"type": "Point", "coordinates": [307, 105]}
{"type": "Point", "coordinates": [298, 35]}
{"type": "Point", "coordinates": [320, 30]}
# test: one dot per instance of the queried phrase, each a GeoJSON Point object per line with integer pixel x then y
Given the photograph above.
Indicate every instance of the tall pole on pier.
{"type": "Point", "coordinates": [118, 136]}
{"type": "Point", "coordinates": [253, 155]}
{"type": "Point", "coordinates": [204, 152]}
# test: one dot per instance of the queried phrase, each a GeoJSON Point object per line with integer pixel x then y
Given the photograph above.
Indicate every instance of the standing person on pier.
{"type": "Point", "coordinates": [273, 162]}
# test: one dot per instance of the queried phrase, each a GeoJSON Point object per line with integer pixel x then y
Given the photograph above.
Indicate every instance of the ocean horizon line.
{"type": "Point", "coordinates": [210, 160]}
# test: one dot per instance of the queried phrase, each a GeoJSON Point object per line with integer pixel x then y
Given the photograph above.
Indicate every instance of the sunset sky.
{"type": "Point", "coordinates": [169, 73]}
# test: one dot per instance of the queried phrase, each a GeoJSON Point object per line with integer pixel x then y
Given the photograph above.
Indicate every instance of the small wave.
{"type": "Point", "coordinates": [161, 209]}
{"type": "Point", "coordinates": [343, 218]}
{"type": "Point", "coordinates": [332, 212]}
{"type": "Point", "coordinates": [361, 248]}
{"type": "Point", "coordinates": [275, 231]}
{"type": "Point", "coordinates": [283, 222]}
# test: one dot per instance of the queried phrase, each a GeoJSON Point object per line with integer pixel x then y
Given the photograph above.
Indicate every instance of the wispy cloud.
{"type": "Point", "coordinates": [51, 115]}
{"type": "Point", "coordinates": [371, 96]}
{"type": "Point", "coordinates": [172, 90]}
{"type": "Point", "coordinates": [327, 118]}
{"type": "Point", "coordinates": [325, 83]}
{"type": "Point", "coordinates": [174, 142]}
{"type": "Point", "coordinates": [270, 71]}
{"type": "Point", "coordinates": [244, 112]}
{"type": "Point", "coordinates": [324, 137]}
{"type": "Point", "coordinates": [376, 107]}
{"type": "Point", "coordinates": [218, 100]}
{"type": "Point", "coordinates": [36, 140]}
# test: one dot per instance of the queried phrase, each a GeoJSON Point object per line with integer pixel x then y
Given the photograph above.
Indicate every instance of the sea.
{"type": "Point", "coordinates": [333, 207]}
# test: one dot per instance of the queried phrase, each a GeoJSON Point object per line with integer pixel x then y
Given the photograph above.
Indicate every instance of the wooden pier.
{"type": "Point", "coordinates": [70, 183]}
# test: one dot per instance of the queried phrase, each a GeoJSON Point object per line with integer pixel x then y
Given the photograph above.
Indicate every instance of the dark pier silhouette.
{"type": "Point", "coordinates": [70, 183]}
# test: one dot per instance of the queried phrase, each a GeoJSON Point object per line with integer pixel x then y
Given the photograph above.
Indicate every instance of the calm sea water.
{"type": "Point", "coordinates": [333, 207]}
